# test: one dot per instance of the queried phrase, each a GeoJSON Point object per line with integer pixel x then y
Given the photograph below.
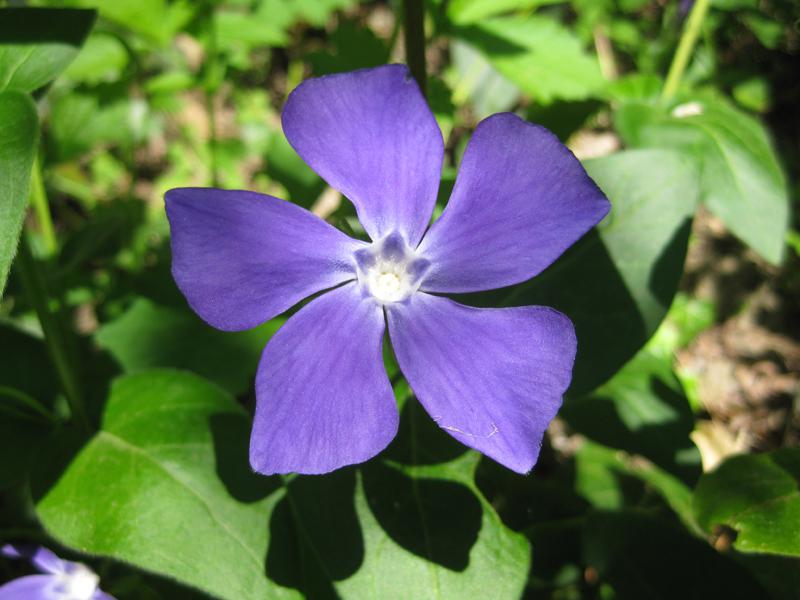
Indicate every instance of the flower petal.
{"type": "Point", "coordinates": [371, 136]}
{"type": "Point", "coordinates": [492, 378]}
{"type": "Point", "coordinates": [40, 557]}
{"type": "Point", "coordinates": [323, 398]}
{"type": "Point", "coordinates": [32, 587]}
{"type": "Point", "coordinates": [521, 198]}
{"type": "Point", "coordinates": [241, 258]}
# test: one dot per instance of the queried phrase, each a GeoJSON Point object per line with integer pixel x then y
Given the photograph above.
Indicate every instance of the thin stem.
{"type": "Point", "coordinates": [28, 401]}
{"type": "Point", "coordinates": [605, 53]}
{"type": "Point", "coordinates": [42, 209]}
{"type": "Point", "coordinates": [685, 48]}
{"type": "Point", "coordinates": [414, 34]}
{"type": "Point", "coordinates": [34, 286]}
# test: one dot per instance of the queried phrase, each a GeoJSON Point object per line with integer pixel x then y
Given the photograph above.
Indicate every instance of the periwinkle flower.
{"type": "Point", "coordinates": [491, 378]}
{"type": "Point", "coordinates": [61, 579]}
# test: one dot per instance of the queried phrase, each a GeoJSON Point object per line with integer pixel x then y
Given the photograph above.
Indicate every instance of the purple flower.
{"type": "Point", "coordinates": [491, 378]}
{"type": "Point", "coordinates": [62, 579]}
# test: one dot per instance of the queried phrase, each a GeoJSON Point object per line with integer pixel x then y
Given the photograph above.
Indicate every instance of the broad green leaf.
{"type": "Point", "coordinates": [82, 121]}
{"type": "Point", "coordinates": [102, 58]}
{"type": "Point", "coordinates": [741, 180]}
{"type": "Point", "coordinates": [19, 135]}
{"type": "Point", "coordinates": [476, 81]}
{"type": "Point", "coordinates": [37, 44]}
{"type": "Point", "coordinates": [463, 12]}
{"type": "Point", "coordinates": [758, 495]}
{"type": "Point", "coordinates": [240, 31]}
{"type": "Point", "coordinates": [617, 283]}
{"type": "Point", "coordinates": [426, 529]}
{"type": "Point", "coordinates": [165, 485]}
{"type": "Point", "coordinates": [539, 54]}
{"type": "Point", "coordinates": [155, 20]}
{"type": "Point", "coordinates": [430, 534]}
{"type": "Point", "coordinates": [269, 23]}
{"type": "Point", "coordinates": [149, 335]}
{"type": "Point", "coordinates": [646, 556]}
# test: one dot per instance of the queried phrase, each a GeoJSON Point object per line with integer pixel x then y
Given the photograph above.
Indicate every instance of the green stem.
{"type": "Point", "coordinates": [42, 209]}
{"type": "Point", "coordinates": [25, 400]}
{"type": "Point", "coordinates": [34, 286]}
{"type": "Point", "coordinates": [414, 35]}
{"type": "Point", "coordinates": [685, 48]}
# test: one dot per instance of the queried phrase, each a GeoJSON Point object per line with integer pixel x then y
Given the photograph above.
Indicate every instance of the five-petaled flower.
{"type": "Point", "coordinates": [60, 579]}
{"type": "Point", "coordinates": [491, 378]}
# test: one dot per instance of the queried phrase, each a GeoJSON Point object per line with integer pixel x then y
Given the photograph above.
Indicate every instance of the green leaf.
{"type": "Point", "coordinates": [102, 59]}
{"type": "Point", "coordinates": [641, 410]}
{"type": "Point", "coordinates": [540, 55]}
{"type": "Point", "coordinates": [758, 496]}
{"type": "Point", "coordinates": [37, 44]}
{"type": "Point", "coordinates": [741, 180]}
{"type": "Point", "coordinates": [148, 336]}
{"type": "Point", "coordinates": [165, 485]}
{"type": "Point", "coordinates": [28, 387]}
{"type": "Point", "coordinates": [599, 472]}
{"type": "Point", "coordinates": [349, 47]}
{"type": "Point", "coordinates": [617, 283]}
{"type": "Point", "coordinates": [476, 81]}
{"type": "Point", "coordinates": [18, 138]}
{"type": "Point", "coordinates": [644, 556]}
{"type": "Point", "coordinates": [463, 12]}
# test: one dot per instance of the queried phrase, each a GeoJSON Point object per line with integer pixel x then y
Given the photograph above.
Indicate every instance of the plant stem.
{"type": "Point", "coordinates": [42, 209]}
{"type": "Point", "coordinates": [414, 35]}
{"type": "Point", "coordinates": [685, 48]}
{"type": "Point", "coordinates": [35, 289]}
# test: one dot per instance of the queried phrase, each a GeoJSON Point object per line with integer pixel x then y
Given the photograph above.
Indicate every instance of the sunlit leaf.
{"type": "Point", "coordinates": [757, 496]}
{"type": "Point", "coordinates": [19, 136]}
{"type": "Point", "coordinates": [741, 180]}
{"type": "Point", "coordinates": [148, 336]}
{"type": "Point", "coordinates": [540, 55]}
{"type": "Point", "coordinates": [166, 486]}
{"type": "Point", "coordinates": [37, 44]}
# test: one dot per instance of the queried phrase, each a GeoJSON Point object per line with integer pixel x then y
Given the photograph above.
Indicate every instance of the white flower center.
{"type": "Point", "coordinates": [78, 583]}
{"type": "Point", "coordinates": [389, 270]}
{"type": "Point", "coordinates": [386, 286]}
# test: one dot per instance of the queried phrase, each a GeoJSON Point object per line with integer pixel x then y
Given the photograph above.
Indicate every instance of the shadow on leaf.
{"type": "Point", "coordinates": [420, 441]}
{"type": "Point", "coordinates": [231, 435]}
{"type": "Point", "coordinates": [435, 519]}
{"type": "Point", "coordinates": [315, 535]}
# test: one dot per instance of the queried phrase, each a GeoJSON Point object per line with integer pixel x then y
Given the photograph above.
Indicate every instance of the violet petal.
{"type": "Point", "coordinates": [491, 378]}
{"type": "Point", "coordinates": [371, 135]}
{"type": "Point", "coordinates": [40, 557]}
{"type": "Point", "coordinates": [323, 398]}
{"type": "Point", "coordinates": [521, 198]}
{"type": "Point", "coordinates": [241, 258]}
{"type": "Point", "coordinates": [31, 587]}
